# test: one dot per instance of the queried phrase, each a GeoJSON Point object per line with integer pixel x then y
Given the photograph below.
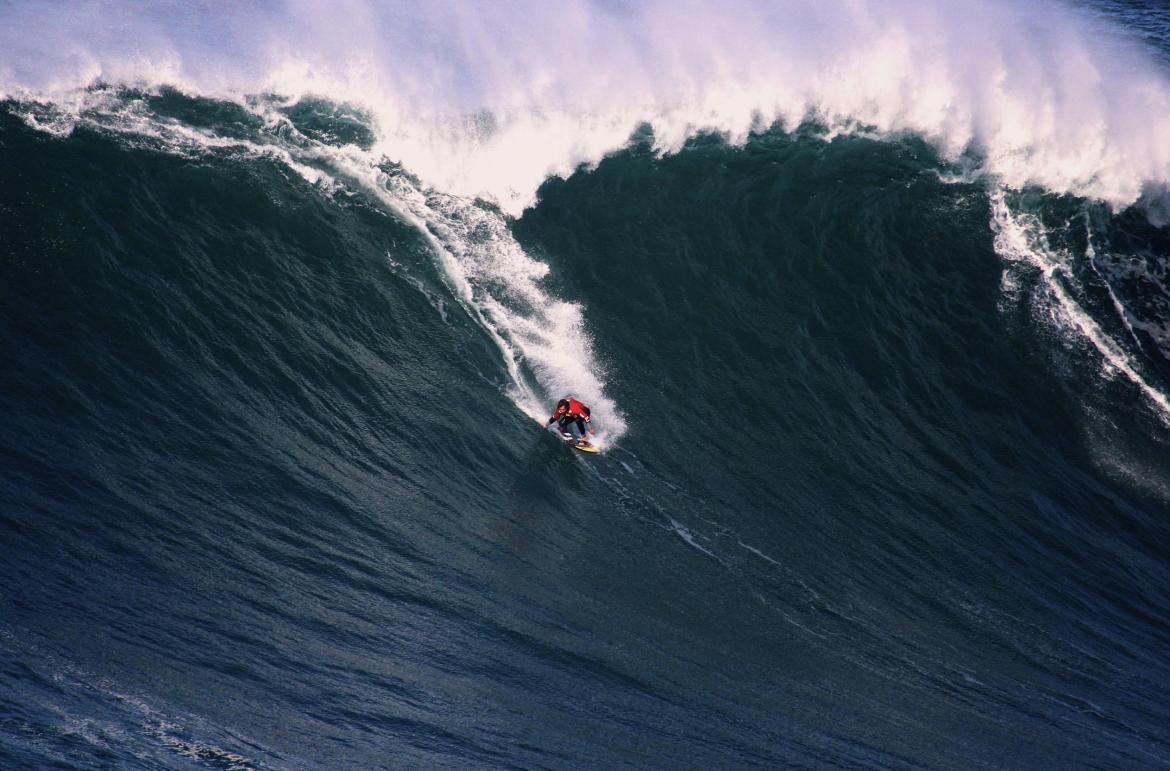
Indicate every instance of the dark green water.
{"type": "Point", "coordinates": [269, 496]}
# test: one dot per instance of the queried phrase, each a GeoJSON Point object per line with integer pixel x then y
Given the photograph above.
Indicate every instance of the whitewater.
{"type": "Point", "coordinates": [481, 101]}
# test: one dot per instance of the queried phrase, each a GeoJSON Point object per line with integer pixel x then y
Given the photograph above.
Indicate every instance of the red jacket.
{"type": "Point", "coordinates": [570, 407]}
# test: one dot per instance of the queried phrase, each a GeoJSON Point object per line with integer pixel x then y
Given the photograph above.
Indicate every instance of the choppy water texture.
{"type": "Point", "coordinates": [885, 479]}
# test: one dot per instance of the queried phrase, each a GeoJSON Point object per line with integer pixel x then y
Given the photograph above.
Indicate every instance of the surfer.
{"type": "Point", "coordinates": [568, 412]}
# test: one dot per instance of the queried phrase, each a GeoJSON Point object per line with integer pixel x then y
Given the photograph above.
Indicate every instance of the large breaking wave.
{"type": "Point", "coordinates": [869, 300]}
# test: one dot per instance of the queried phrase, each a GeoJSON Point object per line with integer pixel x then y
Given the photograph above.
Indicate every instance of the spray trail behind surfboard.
{"type": "Point", "coordinates": [544, 341]}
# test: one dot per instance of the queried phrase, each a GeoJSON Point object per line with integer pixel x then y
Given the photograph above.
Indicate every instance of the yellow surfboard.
{"type": "Point", "coordinates": [581, 444]}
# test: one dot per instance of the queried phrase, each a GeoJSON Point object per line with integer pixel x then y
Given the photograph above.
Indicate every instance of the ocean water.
{"type": "Point", "coordinates": [870, 300]}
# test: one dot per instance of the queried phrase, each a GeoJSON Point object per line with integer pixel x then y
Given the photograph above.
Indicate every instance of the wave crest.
{"type": "Point", "coordinates": [490, 102]}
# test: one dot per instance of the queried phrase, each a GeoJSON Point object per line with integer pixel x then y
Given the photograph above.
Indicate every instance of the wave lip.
{"type": "Point", "coordinates": [490, 102]}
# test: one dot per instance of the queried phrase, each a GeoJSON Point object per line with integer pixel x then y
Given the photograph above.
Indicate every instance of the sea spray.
{"type": "Point", "coordinates": [480, 101]}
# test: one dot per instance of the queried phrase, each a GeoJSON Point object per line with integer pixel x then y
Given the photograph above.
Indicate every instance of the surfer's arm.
{"type": "Point", "coordinates": [562, 408]}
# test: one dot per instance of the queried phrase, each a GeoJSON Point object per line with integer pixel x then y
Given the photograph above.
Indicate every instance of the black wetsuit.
{"type": "Point", "coordinates": [567, 421]}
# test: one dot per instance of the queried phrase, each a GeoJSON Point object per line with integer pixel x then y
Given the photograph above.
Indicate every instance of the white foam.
{"type": "Point", "coordinates": [1021, 237]}
{"type": "Point", "coordinates": [500, 285]}
{"type": "Point", "coordinates": [483, 99]}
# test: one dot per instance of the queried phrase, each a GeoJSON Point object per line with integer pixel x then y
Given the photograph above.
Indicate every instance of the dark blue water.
{"type": "Point", "coordinates": [890, 492]}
